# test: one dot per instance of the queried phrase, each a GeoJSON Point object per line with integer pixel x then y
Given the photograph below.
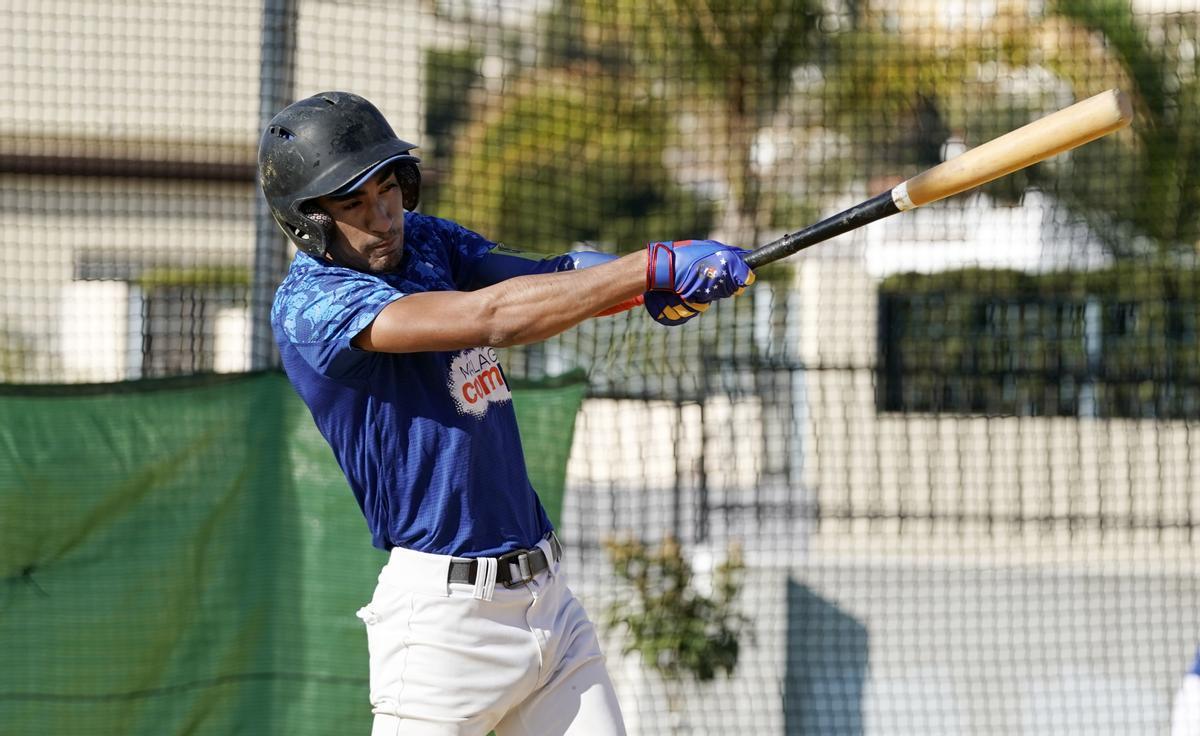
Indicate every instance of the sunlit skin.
{"type": "Point", "coordinates": [369, 225]}
{"type": "Point", "coordinates": [369, 236]}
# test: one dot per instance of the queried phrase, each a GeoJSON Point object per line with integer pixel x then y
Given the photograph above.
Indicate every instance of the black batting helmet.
{"type": "Point", "coordinates": [329, 143]}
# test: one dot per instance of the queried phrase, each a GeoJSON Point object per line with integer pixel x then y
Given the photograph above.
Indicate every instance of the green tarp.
{"type": "Point", "coordinates": [184, 557]}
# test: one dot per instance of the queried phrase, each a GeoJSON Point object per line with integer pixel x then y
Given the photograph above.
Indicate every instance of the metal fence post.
{"type": "Point", "coordinates": [276, 80]}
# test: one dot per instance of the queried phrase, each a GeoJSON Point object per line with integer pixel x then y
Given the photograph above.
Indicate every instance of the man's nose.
{"type": "Point", "coordinates": [381, 217]}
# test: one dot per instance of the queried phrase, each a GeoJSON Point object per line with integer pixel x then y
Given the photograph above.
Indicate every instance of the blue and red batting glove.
{"type": "Point", "coordinates": [668, 309]}
{"type": "Point", "coordinates": [684, 276]}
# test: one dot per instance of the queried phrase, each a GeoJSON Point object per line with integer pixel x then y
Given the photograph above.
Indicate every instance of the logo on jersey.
{"type": "Point", "coordinates": [476, 381]}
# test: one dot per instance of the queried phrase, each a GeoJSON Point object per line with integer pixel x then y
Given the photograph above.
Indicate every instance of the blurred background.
{"type": "Point", "coordinates": [939, 475]}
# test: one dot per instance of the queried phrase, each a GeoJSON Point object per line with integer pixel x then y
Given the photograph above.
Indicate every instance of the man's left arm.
{"type": "Point", "coordinates": [503, 263]}
{"type": "Point", "coordinates": [481, 263]}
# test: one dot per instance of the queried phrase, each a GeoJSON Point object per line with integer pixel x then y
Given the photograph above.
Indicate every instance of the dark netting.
{"type": "Point", "coordinates": [941, 472]}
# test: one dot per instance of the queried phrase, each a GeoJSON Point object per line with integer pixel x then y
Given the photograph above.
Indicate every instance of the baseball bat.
{"type": "Point", "coordinates": [1060, 131]}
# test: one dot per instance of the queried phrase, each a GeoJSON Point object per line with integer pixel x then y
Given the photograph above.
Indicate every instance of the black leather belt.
{"type": "Point", "coordinates": [512, 568]}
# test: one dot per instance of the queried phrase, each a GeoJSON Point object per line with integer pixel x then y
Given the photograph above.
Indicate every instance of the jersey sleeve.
{"type": "Point", "coordinates": [503, 263]}
{"type": "Point", "coordinates": [474, 261]}
{"type": "Point", "coordinates": [322, 315]}
{"type": "Point", "coordinates": [466, 249]}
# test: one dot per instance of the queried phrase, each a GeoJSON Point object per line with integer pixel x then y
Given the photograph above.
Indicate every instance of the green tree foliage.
{"type": "Point", "coordinates": [901, 94]}
{"type": "Point", "coordinates": [1155, 59]}
{"type": "Point", "coordinates": [619, 75]}
{"type": "Point", "coordinates": [729, 61]}
{"type": "Point", "coordinates": [567, 156]}
{"type": "Point", "coordinates": [678, 631]}
{"type": "Point", "coordinates": [449, 77]}
{"type": "Point", "coordinates": [1007, 342]}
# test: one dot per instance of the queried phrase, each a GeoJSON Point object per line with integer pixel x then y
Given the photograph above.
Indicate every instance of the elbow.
{"type": "Point", "coordinates": [496, 328]}
{"type": "Point", "coordinates": [509, 336]}
{"type": "Point", "coordinates": [500, 338]}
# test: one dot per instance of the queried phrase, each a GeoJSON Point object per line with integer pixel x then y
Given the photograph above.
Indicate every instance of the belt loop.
{"type": "Point", "coordinates": [553, 554]}
{"type": "Point", "coordinates": [485, 578]}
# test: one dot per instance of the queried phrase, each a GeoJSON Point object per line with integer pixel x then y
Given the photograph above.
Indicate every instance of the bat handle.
{"type": "Point", "coordinates": [773, 251]}
{"type": "Point", "coordinates": [875, 208]}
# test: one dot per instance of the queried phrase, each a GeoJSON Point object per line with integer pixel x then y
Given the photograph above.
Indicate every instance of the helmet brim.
{"type": "Point", "coordinates": [351, 169]}
{"type": "Point", "coordinates": [361, 180]}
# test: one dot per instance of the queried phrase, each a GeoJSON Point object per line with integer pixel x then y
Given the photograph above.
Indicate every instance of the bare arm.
{"type": "Point", "coordinates": [516, 311]}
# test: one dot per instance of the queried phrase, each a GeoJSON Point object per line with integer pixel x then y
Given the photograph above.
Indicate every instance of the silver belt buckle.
{"type": "Point", "coordinates": [520, 558]}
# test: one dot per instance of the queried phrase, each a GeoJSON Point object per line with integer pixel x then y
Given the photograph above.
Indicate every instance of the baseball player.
{"type": "Point", "coordinates": [387, 324]}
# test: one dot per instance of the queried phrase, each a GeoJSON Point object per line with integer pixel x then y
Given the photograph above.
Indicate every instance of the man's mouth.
{"type": "Point", "coordinates": [388, 244]}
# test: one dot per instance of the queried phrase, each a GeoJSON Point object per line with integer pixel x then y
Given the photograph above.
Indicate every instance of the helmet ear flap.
{"type": "Point", "coordinates": [313, 211]}
{"type": "Point", "coordinates": [409, 178]}
{"type": "Point", "coordinates": [319, 217]}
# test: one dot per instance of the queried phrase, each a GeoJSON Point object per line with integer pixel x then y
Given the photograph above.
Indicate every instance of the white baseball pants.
{"type": "Point", "coordinates": [1185, 716]}
{"type": "Point", "coordinates": [458, 659]}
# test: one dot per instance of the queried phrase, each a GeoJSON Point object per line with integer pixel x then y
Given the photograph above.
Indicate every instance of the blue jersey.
{"type": "Point", "coordinates": [428, 441]}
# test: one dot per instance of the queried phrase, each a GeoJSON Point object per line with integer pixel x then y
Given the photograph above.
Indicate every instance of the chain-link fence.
{"type": "Point", "coordinates": [955, 449]}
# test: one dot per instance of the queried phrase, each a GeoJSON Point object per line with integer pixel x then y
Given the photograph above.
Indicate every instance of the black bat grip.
{"type": "Point", "coordinates": [864, 213]}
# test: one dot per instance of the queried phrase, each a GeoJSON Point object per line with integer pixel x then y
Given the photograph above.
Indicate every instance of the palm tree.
{"type": "Point", "coordinates": [726, 62]}
{"type": "Point", "coordinates": [1146, 192]}
{"type": "Point", "coordinates": [563, 156]}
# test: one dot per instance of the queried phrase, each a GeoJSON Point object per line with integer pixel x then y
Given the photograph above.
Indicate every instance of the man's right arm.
{"type": "Point", "coordinates": [680, 277]}
{"type": "Point", "coordinates": [516, 311]}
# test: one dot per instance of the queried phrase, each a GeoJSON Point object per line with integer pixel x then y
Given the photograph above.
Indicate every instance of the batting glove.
{"type": "Point", "coordinates": [697, 271]}
{"type": "Point", "coordinates": [666, 308]}
{"type": "Point", "coordinates": [684, 277]}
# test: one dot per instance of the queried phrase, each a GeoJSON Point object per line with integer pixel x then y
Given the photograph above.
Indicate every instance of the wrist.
{"type": "Point", "coordinates": [660, 267]}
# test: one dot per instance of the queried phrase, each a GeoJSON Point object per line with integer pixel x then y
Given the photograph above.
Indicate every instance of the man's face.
{"type": "Point", "coordinates": [369, 225]}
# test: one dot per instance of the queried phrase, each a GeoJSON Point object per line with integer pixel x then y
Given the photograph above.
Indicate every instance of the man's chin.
{"type": "Point", "coordinates": [389, 261]}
